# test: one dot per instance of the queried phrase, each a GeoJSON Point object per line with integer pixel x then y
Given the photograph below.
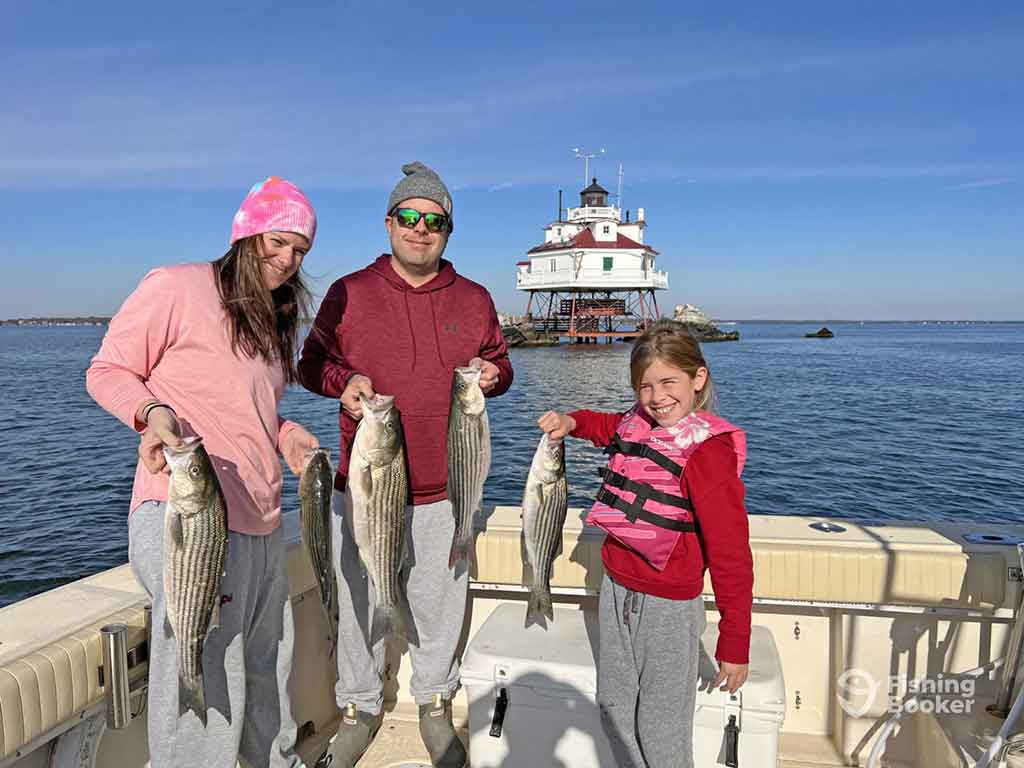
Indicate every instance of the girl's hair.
{"type": "Point", "coordinates": [673, 344]}
{"type": "Point", "coordinates": [261, 322]}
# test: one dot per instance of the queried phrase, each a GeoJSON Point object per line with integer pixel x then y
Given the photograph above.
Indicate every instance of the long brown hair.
{"type": "Point", "coordinates": [263, 323]}
{"type": "Point", "coordinates": [672, 343]}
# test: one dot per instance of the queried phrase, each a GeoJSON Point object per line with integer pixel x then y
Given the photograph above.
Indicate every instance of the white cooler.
{"type": "Point", "coordinates": [532, 697]}
{"type": "Point", "coordinates": [756, 709]}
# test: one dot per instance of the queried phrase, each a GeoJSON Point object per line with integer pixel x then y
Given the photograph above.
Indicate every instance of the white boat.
{"type": "Point", "coordinates": [859, 614]}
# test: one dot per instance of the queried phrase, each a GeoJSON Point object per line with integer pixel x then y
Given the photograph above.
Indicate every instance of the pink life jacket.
{"type": "Point", "coordinates": [641, 503]}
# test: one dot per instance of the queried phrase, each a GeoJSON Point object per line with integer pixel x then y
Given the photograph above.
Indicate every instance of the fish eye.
{"type": "Point", "coordinates": [194, 471]}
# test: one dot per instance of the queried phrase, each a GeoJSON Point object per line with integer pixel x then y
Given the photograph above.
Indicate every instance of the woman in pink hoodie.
{"type": "Point", "coordinates": [206, 349]}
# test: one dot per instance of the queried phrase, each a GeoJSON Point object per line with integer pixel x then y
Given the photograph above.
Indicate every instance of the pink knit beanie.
{"type": "Point", "coordinates": [274, 205]}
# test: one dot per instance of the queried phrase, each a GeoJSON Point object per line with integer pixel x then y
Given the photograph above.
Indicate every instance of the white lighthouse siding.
{"type": "Point", "coordinates": [561, 230]}
{"type": "Point", "coordinates": [627, 270]}
{"type": "Point", "coordinates": [632, 230]}
{"type": "Point", "coordinates": [606, 231]}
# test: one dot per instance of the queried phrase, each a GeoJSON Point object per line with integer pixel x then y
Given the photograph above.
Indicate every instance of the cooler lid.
{"type": "Point", "coordinates": [560, 657]}
{"type": "Point", "coordinates": [764, 690]}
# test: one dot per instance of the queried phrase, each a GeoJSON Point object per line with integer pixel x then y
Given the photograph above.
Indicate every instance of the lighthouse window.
{"type": "Point", "coordinates": [553, 265]}
{"type": "Point", "coordinates": [608, 263]}
{"type": "Point", "coordinates": [607, 228]}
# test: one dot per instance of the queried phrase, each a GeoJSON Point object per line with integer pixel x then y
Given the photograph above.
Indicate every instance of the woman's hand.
{"type": "Point", "coordinates": [298, 443]}
{"type": "Point", "coordinates": [489, 373]}
{"type": "Point", "coordinates": [357, 385]}
{"type": "Point", "coordinates": [556, 425]}
{"type": "Point", "coordinates": [730, 676]}
{"type": "Point", "coordinates": [162, 428]}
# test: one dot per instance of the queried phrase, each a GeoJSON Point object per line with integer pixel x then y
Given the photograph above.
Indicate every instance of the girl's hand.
{"type": "Point", "coordinates": [489, 373]}
{"type": "Point", "coordinates": [357, 385]}
{"type": "Point", "coordinates": [731, 676]}
{"type": "Point", "coordinates": [162, 428]}
{"type": "Point", "coordinates": [298, 443]}
{"type": "Point", "coordinates": [556, 425]}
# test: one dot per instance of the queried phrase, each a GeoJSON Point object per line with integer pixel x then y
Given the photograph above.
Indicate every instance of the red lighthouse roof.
{"type": "Point", "coordinates": [585, 239]}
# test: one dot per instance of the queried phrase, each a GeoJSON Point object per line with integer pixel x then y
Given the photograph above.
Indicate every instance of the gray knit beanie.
{"type": "Point", "coordinates": [421, 181]}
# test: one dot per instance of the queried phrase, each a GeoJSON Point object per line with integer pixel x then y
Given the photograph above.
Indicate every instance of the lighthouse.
{"type": "Point", "coordinates": [593, 277]}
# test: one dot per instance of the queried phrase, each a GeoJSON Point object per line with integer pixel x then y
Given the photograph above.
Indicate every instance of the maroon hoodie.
{"type": "Point", "coordinates": [408, 341]}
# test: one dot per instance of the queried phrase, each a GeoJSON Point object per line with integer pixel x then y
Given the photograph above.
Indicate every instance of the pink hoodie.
{"type": "Point", "coordinates": [170, 340]}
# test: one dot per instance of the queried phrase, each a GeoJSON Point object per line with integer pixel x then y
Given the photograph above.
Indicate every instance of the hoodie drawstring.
{"type": "Point", "coordinates": [412, 331]}
{"type": "Point", "coordinates": [437, 338]}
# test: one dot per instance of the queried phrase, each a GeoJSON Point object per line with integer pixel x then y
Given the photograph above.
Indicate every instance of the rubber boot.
{"type": "Point", "coordinates": [355, 733]}
{"type": "Point", "coordinates": [439, 737]}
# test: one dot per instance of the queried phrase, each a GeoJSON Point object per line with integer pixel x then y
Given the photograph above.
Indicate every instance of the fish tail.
{"type": "Point", "coordinates": [538, 607]}
{"type": "Point", "coordinates": [470, 547]}
{"type": "Point", "coordinates": [380, 624]}
{"type": "Point", "coordinates": [332, 634]}
{"type": "Point", "coordinates": [459, 552]}
{"type": "Point", "coordinates": [192, 697]}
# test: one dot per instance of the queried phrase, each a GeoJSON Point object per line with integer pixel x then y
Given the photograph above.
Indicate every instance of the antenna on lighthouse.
{"type": "Point", "coordinates": [586, 158]}
{"type": "Point", "coordinates": [618, 197]}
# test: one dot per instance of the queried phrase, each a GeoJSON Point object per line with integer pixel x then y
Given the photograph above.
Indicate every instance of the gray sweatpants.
{"type": "Point", "coordinates": [436, 596]}
{"type": "Point", "coordinates": [647, 676]}
{"type": "Point", "coordinates": [247, 659]}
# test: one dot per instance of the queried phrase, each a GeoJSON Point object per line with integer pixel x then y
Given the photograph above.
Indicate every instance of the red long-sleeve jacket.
{"type": "Point", "coordinates": [711, 483]}
{"type": "Point", "coordinates": [408, 341]}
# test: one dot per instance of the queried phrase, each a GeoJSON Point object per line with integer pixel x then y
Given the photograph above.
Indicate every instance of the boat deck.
{"type": "Point", "coordinates": [914, 601]}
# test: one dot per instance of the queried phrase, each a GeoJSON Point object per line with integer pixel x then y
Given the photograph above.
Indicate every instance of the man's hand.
{"type": "Point", "coordinates": [489, 373]}
{"type": "Point", "coordinates": [357, 385]}
{"type": "Point", "coordinates": [556, 425]}
{"type": "Point", "coordinates": [730, 676]}
{"type": "Point", "coordinates": [162, 429]}
{"type": "Point", "coordinates": [298, 443]}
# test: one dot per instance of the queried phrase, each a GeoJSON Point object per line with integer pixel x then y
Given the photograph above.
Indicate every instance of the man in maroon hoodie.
{"type": "Point", "coordinates": [400, 327]}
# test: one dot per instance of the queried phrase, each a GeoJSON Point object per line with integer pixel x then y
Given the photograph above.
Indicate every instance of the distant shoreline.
{"type": "Point", "coordinates": [91, 320]}
{"type": "Point", "coordinates": [23, 321]}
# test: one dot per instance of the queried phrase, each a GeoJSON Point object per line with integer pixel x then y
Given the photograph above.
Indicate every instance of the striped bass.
{"type": "Point", "coordinates": [379, 487]}
{"type": "Point", "coordinates": [469, 459]}
{"type": "Point", "coordinates": [194, 554]}
{"type": "Point", "coordinates": [315, 488]}
{"type": "Point", "coordinates": [545, 503]}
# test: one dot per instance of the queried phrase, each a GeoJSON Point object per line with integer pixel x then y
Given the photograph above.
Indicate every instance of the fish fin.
{"type": "Point", "coordinates": [214, 618]}
{"type": "Point", "coordinates": [174, 529]}
{"type": "Point", "coordinates": [192, 697]}
{"type": "Point", "coordinates": [538, 607]}
{"type": "Point", "coordinates": [364, 480]}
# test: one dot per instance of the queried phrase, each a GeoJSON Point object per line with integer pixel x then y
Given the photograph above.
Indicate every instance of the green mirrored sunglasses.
{"type": "Point", "coordinates": [410, 217]}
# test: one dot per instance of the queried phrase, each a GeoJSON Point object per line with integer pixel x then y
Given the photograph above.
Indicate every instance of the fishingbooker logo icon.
{"type": "Point", "coordinates": [858, 692]}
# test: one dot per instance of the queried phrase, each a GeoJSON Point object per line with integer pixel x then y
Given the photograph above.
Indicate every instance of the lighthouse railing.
{"type": "Point", "coordinates": [593, 278]}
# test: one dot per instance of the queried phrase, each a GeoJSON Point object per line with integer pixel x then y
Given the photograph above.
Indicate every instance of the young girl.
{"type": "Point", "coordinates": [672, 506]}
{"type": "Point", "coordinates": [206, 349]}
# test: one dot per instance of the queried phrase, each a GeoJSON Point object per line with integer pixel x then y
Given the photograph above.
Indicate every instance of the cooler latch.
{"type": "Point", "coordinates": [500, 705]}
{"type": "Point", "coordinates": [731, 715]}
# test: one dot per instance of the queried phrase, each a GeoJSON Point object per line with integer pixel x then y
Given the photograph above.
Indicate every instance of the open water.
{"type": "Point", "coordinates": [885, 422]}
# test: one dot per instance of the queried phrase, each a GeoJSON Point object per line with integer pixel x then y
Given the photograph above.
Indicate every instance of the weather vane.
{"type": "Point", "coordinates": [586, 158]}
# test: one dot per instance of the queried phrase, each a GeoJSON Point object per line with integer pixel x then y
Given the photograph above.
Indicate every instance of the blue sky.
{"type": "Point", "coordinates": [795, 160]}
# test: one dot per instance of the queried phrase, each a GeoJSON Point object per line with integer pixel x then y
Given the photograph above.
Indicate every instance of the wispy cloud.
{"type": "Point", "coordinates": [160, 119]}
{"type": "Point", "coordinates": [981, 184]}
